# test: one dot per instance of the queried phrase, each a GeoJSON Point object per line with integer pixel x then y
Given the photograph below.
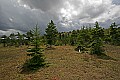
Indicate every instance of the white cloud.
{"type": "Point", "coordinates": [67, 14]}
{"type": "Point", "coordinates": [9, 31]}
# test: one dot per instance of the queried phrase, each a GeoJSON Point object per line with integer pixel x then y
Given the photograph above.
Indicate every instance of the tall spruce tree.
{"type": "Point", "coordinates": [73, 38]}
{"type": "Point", "coordinates": [84, 37]}
{"type": "Point", "coordinates": [37, 61]}
{"type": "Point", "coordinates": [115, 34]}
{"type": "Point", "coordinates": [97, 43]}
{"type": "Point", "coordinates": [51, 32]}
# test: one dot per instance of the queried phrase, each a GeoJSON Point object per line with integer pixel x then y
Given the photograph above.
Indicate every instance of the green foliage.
{"type": "Point", "coordinates": [51, 33]}
{"type": "Point", "coordinates": [97, 43]}
{"type": "Point", "coordinates": [19, 39]}
{"type": "Point", "coordinates": [12, 39]}
{"type": "Point", "coordinates": [35, 62]}
{"type": "Point", "coordinates": [97, 47]}
{"type": "Point", "coordinates": [73, 38]}
{"type": "Point", "coordinates": [29, 36]}
{"type": "Point", "coordinates": [114, 34]}
{"type": "Point", "coordinates": [84, 37]}
{"type": "Point", "coordinates": [58, 43]}
{"type": "Point", "coordinates": [37, 59]}
{"type": "Point", "coordinates": [107, 39]}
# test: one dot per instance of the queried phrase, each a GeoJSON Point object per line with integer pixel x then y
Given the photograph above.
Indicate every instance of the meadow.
{"type": "Point", "coordinates": [64, 64]}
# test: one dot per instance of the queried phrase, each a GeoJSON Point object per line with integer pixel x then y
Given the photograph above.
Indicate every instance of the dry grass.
{"type": "Point", "coordinates": [65, 64]}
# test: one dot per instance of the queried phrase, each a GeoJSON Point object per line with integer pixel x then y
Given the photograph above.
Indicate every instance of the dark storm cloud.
{"type": "Point", "coordinates": [44, 5]}
{"type": "Point", "coordinates": [15, 16]}
{"type": "Point", "coordinates": [22, 15]}
{"type": "Point", "coordinates": [117, 2]}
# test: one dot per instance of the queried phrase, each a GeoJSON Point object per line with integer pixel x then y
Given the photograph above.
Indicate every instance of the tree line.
{"type": "Point", "coordinates": [92, 38]}
{"type": "Point", "coordinates": [82, 37]}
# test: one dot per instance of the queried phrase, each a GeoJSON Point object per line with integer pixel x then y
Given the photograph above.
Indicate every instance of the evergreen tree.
{"type": "Point", "coordinates": [4, 40]}
{"type": "Point", "coordinates": [84, 37]}
{"type": "Point", "coordinates": [115, 34]}
{"type": "Point", "coordinates": [97, 43]}
{"type": "Point", "coordinates": [59, 39]}
{"type": "Point", "coordinates": [12, 39]}
{"type": "Point", "coordinates": [73, 38]}
{"type": "Point", "coordinates": [29, 36]}
{"type": "Point", "coordinates": [107, 38]}
{"type": "Point", "coordinates": [51, 33]}
{"type": "Point", "coordinates": [37, 59]}
{"type": "Point", "coordinates": [20, 39]}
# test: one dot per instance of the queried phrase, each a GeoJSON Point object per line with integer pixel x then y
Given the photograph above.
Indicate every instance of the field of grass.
{"type": "Point", "coordinates": [65, 64]}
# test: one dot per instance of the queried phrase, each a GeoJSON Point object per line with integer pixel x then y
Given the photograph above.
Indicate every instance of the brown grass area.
{"type": "Point", "coordinates": [65, 64]}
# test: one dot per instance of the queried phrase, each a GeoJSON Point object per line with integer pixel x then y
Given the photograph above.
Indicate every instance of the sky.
{"type": "Point", "coordinates": [23, 15]}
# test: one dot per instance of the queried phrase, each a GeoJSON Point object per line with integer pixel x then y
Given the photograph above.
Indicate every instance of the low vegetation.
{"type": "Point", "coordinates": [65, 64]}
{"type": "Point", "coordinates": [91, 53]}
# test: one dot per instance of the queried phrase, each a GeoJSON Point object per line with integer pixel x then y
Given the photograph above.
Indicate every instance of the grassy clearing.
{"type": "Point", "coordinates": [65, 64]}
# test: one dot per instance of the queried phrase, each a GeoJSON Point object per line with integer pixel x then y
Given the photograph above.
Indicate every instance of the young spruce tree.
{"type": "Point", "coordinates": [51, 33]}
{"type": "Point", "coordinates": [37, 61]}
{"type": "Point", "coordinates": [115, 34]}
{"type": "Point", "coordinates": [97, 44]}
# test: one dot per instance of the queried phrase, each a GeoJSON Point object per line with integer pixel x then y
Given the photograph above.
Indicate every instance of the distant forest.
{"type": "Point", "coordinates": [83, 37]}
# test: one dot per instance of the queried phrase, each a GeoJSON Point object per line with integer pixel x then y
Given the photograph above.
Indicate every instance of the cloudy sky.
{"type": "Point", "coordinates": [22, 15]}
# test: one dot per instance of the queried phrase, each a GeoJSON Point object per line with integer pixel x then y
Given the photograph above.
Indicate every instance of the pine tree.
{"type": "Point", "coordinates": [12, 39]}
{"type": "Point", "coordinates": [51, 32]}
{"type": "Point", "coordinates": [115, 34]}
{"type": "Point", "coordinates": [19, 39]}
{"type": "Point", "coordinates": [37, 61]}
{"type": "Point", "coordinates": [97, 43]}
{"type": "Point", "coordinates": [73, 38]}
{"type": "Point", "coordinates": [84, 37]}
